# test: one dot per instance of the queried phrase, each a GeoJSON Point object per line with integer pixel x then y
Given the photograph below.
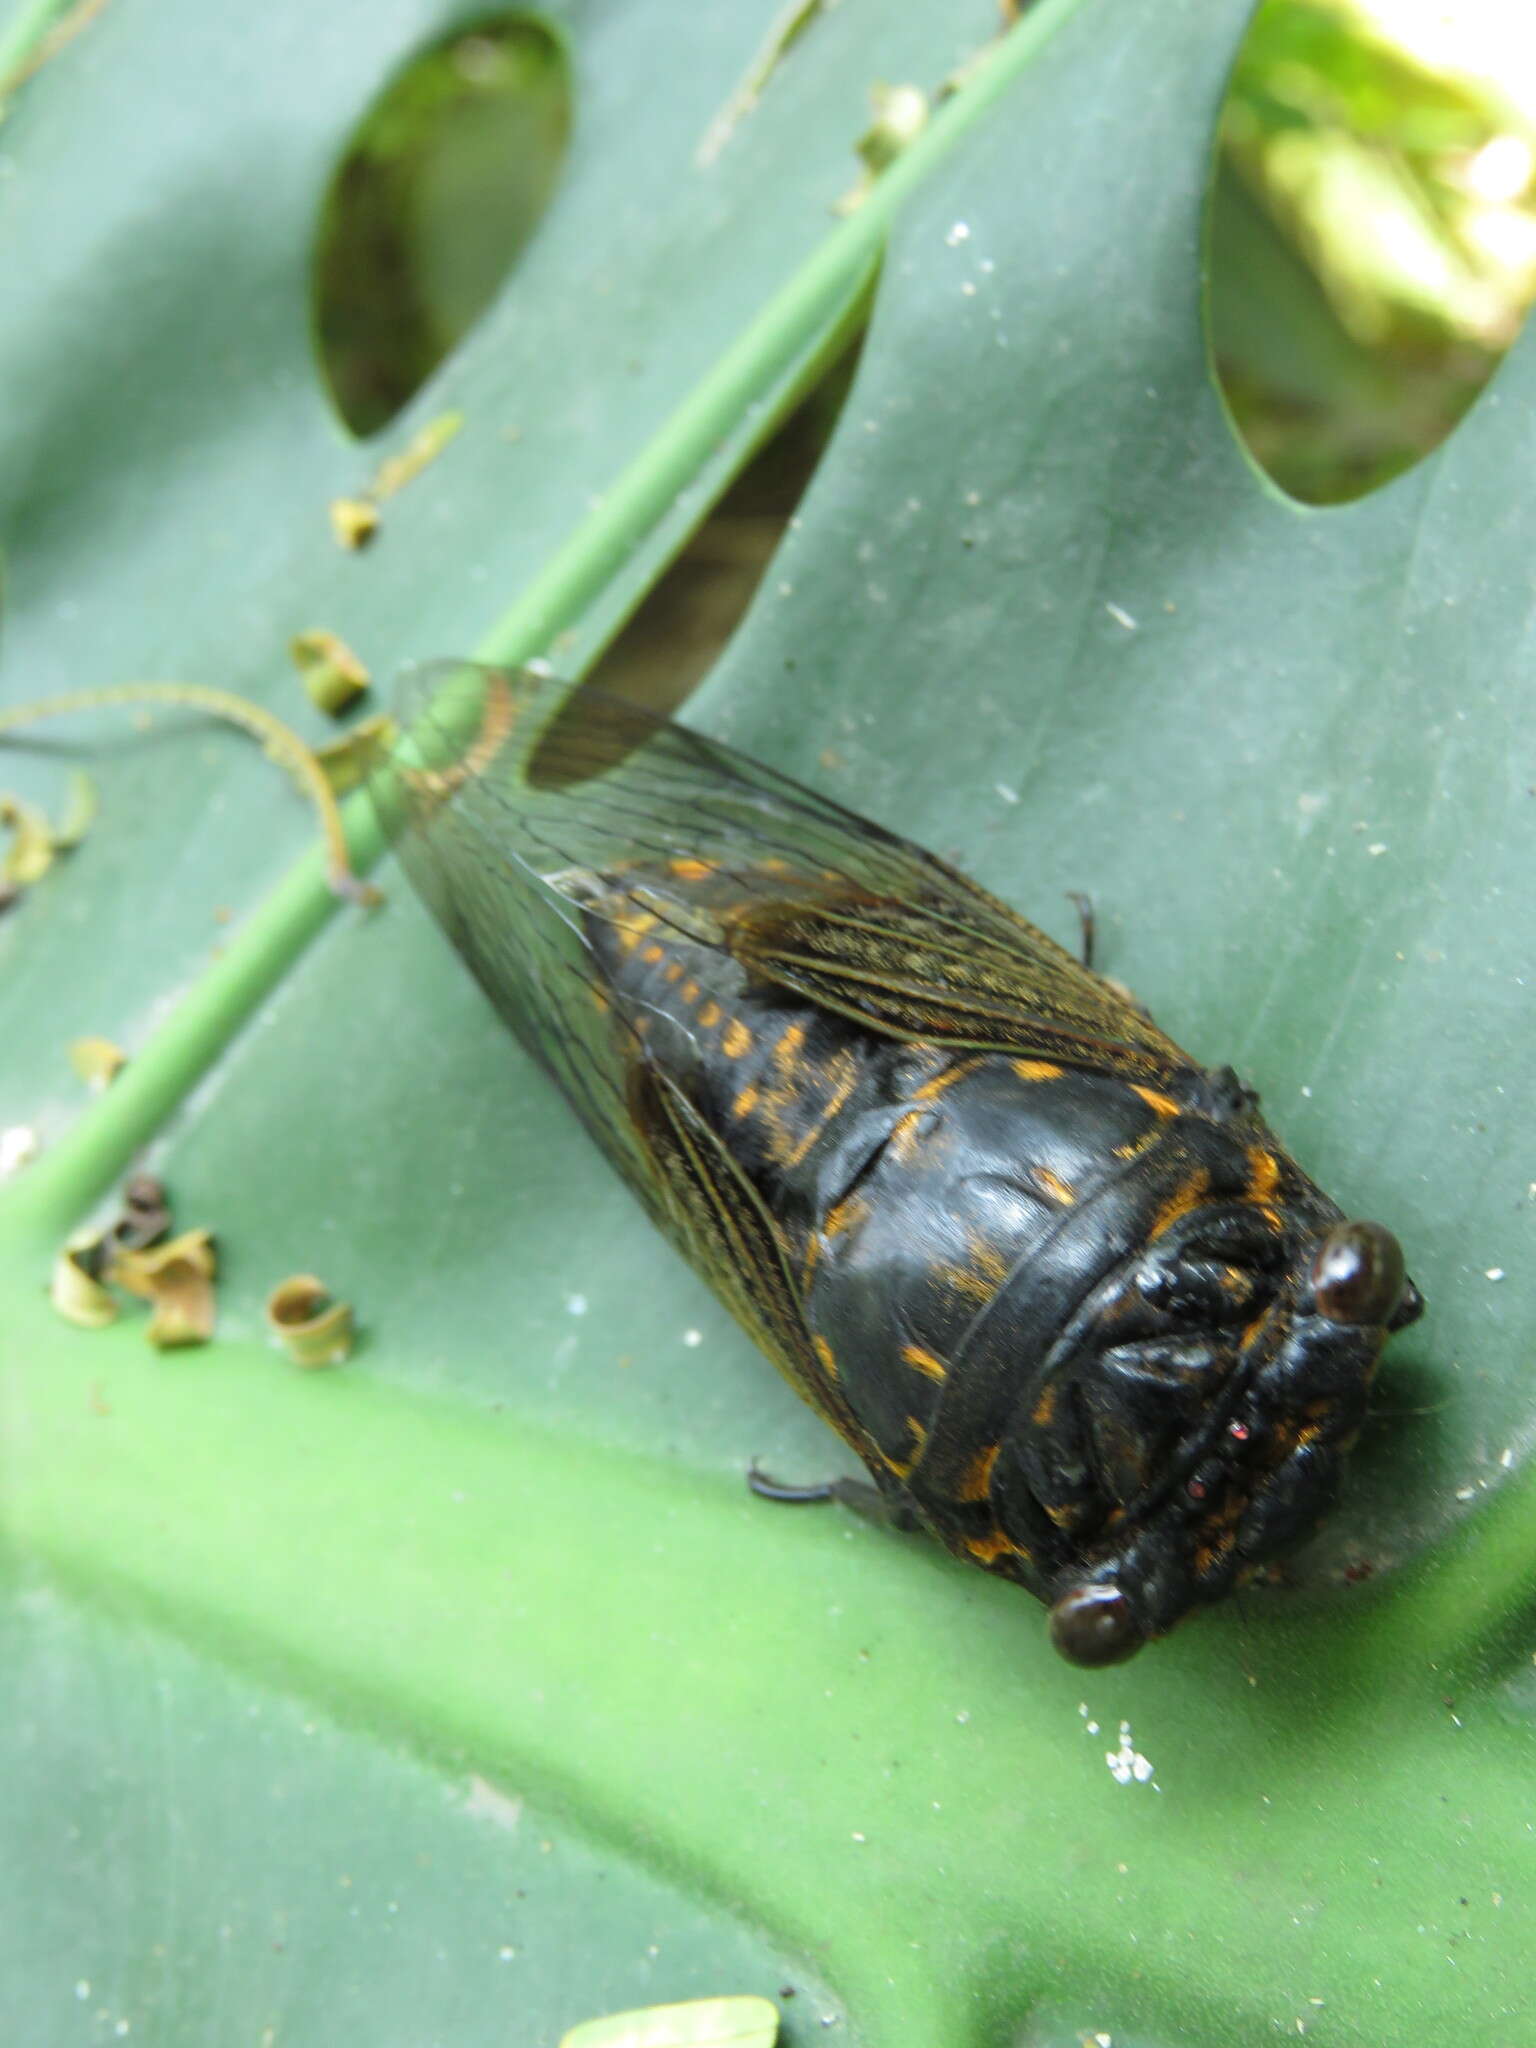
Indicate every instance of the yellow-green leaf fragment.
{"type": "Point", "coordinates": [97, 1061]}
{"type": "Point", "coordinates": [354, 521]}
{"type": "Point", "coordinates": [700, 2023]}
{"type": "Point", "coordinates": [184, 1310]}
{"type": "Point", "coordinates": [314, 1330]}
{"type": "Point", "coordinates": [396, 471]}
{"type": "Point", "coordinates": [280, 741]}
{"type": "Point", "coordinates": [331, 673]}
{"type": "Point", "coordinates": [76, 1290]}
{"type": "Point", "coordinates": [785, 29]}
{"type": "Point", "coordinates": [345, 761]}
{"type": "Point", "coordinates": [30, 854]}
{"type": "Point", "coordinates": [79, 812]}
{"type": "Point", "coordinates": [901, 115]}
{"type": "Point", "coordinates": [35, 842]}
{"type": "Point", "coordinates": [176, 1278]}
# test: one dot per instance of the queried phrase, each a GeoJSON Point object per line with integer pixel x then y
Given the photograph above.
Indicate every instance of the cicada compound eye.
{"type": "Point", "coordinates": [1094, 1625]}
{"type": "Point", "coordinates": [1358, 1274]}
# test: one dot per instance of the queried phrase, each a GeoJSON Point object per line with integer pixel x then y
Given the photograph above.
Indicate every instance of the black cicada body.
{"type": "Point", "coordinates": [1058, 1286]}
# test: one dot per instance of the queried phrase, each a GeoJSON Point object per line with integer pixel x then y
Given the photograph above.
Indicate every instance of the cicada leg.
{"type": "Point", "coordinates": [1086, 928]}
{"type": "Point", "coordinates": [1087, 943]}
{"type": "Point", "coordinates": [889, 1511]}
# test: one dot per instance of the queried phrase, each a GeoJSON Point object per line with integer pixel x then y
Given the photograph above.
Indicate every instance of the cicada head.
{"type": "Point", "coordinates": [1227, 1376]}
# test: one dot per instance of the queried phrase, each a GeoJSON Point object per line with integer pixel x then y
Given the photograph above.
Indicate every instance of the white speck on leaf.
{"type": "Point", "coordinates": [1127, 1765]}
{"type": "Point", "coordinates": [485, 1801]}
{"type": "Point", "coordinates": [18, 1147]}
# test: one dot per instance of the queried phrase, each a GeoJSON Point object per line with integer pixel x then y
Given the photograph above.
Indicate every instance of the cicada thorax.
{"type": "Point", "coordinates": [1085, 1297]}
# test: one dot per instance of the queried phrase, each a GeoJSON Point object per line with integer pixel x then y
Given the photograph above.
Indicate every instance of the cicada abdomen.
{"type": "Point", "coordinates": [1059, 1286]}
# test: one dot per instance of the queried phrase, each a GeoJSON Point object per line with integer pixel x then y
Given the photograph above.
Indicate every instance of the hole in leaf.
{"type": "Point", "coordinates": [684, 622]}
{"type": "Point", "coordinates": [1372, 230]}
{"type": "Point", "coordinates": [439, 191]}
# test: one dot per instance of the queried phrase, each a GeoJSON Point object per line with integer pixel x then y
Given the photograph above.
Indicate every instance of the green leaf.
{"type": "Point", "coordinates": [297, 1650]}
{"type": "Point", "coordinates": [701, 2023]}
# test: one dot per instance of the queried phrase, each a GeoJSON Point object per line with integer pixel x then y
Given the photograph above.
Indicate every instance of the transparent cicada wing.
{"type": "Point", "coordinates": [514, 791]}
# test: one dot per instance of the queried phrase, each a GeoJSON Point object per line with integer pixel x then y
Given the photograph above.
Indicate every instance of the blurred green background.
{"type": "Point", "coordinates": [1372, 253]}
{"type": "Point", "coordinates": [1373, 234]}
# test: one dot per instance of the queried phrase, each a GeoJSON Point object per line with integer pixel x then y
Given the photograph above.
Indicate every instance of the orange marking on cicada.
{"type": "Point", "coordinates": [710, 1015]}
{"type": "Point", "coordinates": [990, 1262]}
{"type": "Point", "coordinates": [652, 953]}
{"type": "Point", "coordinates": [1264, 1175]}
{"type": "Point", "coordinates": [689, 870]}
{"type": "Point", "coordinates": [1207, 1555]}
{"type": "Point", "coordinates": [673, 970]}
{"type": "Point", "coordinates": [927, 1060]}
{"type": "Point", "coordinates": [1138, 1145]}
{"type": "Point", "coordinates": [903, 1138]}
{"type": "Point", "coordinates": [844, 1215]}
{"type": "Point", "coordinates": [689, 992]}
{"type": "Point", "coordinates": [843, 1071]}
{"type": "Point", "coordinates": [1189, 1195]}
{"type": "Point", "coordinates": [902, 1467]}
{"type": "Point", "coordinates": [975, 1287]}
{"type": "Point", "coordinates": [924, 1361]}
{"type": "Point", "coordinates": [977, 1481]}
{"type": "Point", "coordinates": [1159, 1103]}
{"type": "Point", "coordinates": [824, 1357]}
{"type": "Point", "coordinates": [1045, 1409]}
{"type": "Point", "coordinates": [1264, 1171]}
{"type": "Point", "coordinates": [1037, 1070]}
{"type": "Point", "coordinates": [988, 1549]}
{"type": "Point", "coordinates": [745, 1103]}
{"type": "Point", "coordinates": [1053, 1186]}
{"type": "Point", "coordinates": [736, 1039]}
{"type": "Point", "coordinates": [789, 1048]}
{"type": "Point", "coordinates": [946, 1079]}
{"type": "Point", "coordinates": [776, 1135]}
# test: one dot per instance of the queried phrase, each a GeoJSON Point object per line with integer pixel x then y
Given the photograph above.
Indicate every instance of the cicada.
{"type": "Point", "coordinates": [1058, 1285]}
